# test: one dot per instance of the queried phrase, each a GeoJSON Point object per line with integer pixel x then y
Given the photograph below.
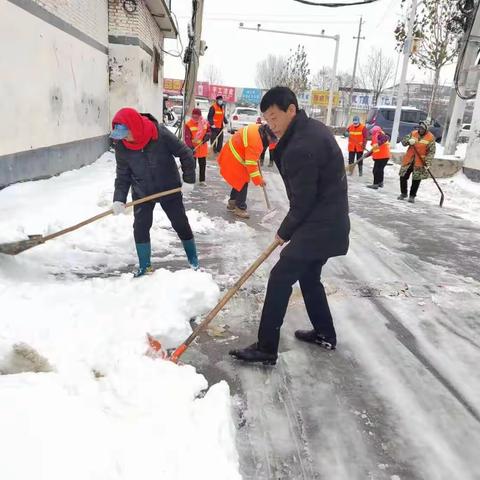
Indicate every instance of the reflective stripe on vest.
{"type": "Point", "coordinates": [235, 153]}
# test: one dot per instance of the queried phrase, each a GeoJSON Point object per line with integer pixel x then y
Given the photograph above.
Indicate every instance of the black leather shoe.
{"type": "Point", "coordinates": [253, 354]}
{"type": "Point", "coordinates": [311, 336]}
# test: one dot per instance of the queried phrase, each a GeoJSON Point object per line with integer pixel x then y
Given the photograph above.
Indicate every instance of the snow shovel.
{"type": "Point", "coordinates": [442, 196]}
{"type": "Point", "coordinates": [155, 345]}
{"type": "Point", "coordinates": [14, 248]}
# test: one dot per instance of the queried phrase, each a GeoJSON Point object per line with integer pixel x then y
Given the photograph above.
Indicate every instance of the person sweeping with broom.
{"type": "Point", "coordinates": [145, 154]}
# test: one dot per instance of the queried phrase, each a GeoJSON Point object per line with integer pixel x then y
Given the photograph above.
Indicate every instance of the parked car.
{"type": "Point", "coordinates": [464, 135]}
{"type": "Point", "coordinates": [383, 116]}
{"type": "Point", "coordinates": [243, 116]}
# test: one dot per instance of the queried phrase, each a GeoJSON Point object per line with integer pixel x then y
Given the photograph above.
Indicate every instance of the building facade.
{"type": "Point", "coordinates": [65, 67]}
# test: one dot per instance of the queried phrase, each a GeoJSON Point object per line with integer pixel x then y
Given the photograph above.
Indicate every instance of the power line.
{"type": "Point", "coordinates": [334, 5]}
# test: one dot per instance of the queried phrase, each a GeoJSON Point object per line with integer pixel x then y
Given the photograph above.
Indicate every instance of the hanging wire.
{"type": "Point", "coordinates": [335, 5]}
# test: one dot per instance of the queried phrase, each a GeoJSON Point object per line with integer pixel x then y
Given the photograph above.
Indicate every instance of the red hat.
{"type": "Point", "coordinates": [197, 111]}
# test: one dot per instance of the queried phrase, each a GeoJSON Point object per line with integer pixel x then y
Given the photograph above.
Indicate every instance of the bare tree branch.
{"type": "Point", "coordinates": [377, 72]}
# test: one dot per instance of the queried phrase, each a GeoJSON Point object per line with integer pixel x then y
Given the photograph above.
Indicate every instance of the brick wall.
{"type": "Point", "coordinates": [139, 24]}
{"type": "Point", "coordinates": [88, 16]}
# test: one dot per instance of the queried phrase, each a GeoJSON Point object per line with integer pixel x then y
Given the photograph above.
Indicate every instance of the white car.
{"type": "Point", "coordinates": [243, 116]}
{"type": "Point", "coordinates": [464, 135]}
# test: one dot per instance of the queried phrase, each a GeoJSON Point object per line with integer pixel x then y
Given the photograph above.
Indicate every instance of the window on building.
{"type": "Point", "coordinates": [156, 64]}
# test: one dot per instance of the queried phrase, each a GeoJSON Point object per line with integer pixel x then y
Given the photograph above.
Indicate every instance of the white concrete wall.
{"type": "Point", "coordinates": [131, 81]}
{"type": "Point", "coordinates": [131, 67]}
{"type": "Point", "coordinates": [472, 157]}
{"type": "Point", "coordinates": [53, 87]}
{"type": "Point", "coordinates": [150, 94]}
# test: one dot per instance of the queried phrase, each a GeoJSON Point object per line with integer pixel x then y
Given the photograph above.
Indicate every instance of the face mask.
{"type": "Point", "coordinates": [220, 102]}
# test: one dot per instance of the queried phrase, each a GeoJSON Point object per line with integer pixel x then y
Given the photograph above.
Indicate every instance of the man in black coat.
{"type": "Point", "coordinates": [315, 229]}
{"type": "Point", "coordinates": [145, 153]}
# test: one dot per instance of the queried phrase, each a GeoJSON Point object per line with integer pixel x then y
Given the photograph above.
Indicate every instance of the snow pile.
{"type": "Point", "coordinates": [102, 409]}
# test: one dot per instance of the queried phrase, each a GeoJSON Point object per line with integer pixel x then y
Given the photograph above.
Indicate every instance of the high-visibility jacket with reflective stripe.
{"type": "Point", "coordinates": [198, 132]}
{"type": "Point", "coordinates": [238, 159]}
{"type": "Point", "coordinates": [380, 152]}
{"type": "Point", "coordinates": [218, 115]}
{"type": "Point", "coordinates": [357, 138]}
{"type": "Point", "coordinates": [420, 150]}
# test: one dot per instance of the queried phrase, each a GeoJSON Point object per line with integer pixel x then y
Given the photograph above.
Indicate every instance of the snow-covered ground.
{"type": "Point", "coordinates": [105, 410]}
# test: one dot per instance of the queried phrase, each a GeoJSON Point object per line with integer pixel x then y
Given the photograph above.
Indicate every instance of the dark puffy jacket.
{"type": "Point", "coordinates": [312, 167]}
{"type": "Point", "coordinates": [152, 169]}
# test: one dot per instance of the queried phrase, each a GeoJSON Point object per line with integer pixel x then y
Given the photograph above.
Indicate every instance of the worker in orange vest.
{"type": "Point", "coordinates": [357, 141]}
{"type": "Point", "coordinates": [419, 156]}
{"type": "Point", "coordinates": [196, 134]}
{"type": "Point", "coordinates": [380, 152]}
{"type": "Point", "coordinates": [238, 162]}
{"type": "Point", "coordinates": [217, 119]}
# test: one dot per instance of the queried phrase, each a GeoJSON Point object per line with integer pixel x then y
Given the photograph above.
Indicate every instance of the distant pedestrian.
{"type": "Point", "coordinates": [196, 135]}
{"type": "Point", "coordinates": [357, 141]}
{"type": "Point", "coordinates": [380, 152]}
{"type": "Point", "coordinates": [145, 153]}
{"type": "Point", "coordinates": [420, 153]}
{"type": "Point", "coordinates": [217, 119]}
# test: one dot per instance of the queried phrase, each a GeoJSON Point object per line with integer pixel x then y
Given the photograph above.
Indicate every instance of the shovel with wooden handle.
{"type": "Point", "coordinates": [156, 346]}
{"type": "Point", "coordinates": [427, 168]}
{"type": "Point", "coordinates": [14, 248]}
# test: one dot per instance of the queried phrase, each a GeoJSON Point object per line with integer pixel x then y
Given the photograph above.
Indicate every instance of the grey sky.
{"type": "Point", "coordinates": [236, 52]}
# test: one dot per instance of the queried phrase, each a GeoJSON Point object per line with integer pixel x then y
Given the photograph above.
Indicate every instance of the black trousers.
{"type": "Point", "coordinates": [378, 170]}
{"type": "Point", "coordinates": [284, 274]}
{"type": "Point", "coordinates": [173, 207]}
{"type": "Point", "coordinates": [217, 132]}
{"type": "Point", "coordinates": [404, 183]}
{"type": "Point", "coordinates": [352, 159]}
{"type": "Point", "coordinates": [202, 164]}
{"type": "Point", "coordinates": [240, 197]}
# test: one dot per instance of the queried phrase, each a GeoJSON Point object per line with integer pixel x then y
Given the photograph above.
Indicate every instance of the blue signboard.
{"type": "Point", "coordinates": [252, 95]}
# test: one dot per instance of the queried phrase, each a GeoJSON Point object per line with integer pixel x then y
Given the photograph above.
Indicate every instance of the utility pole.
{"type": "Point", "coordinates": [335, 60]}
{"type": "Point", "coordinates": [193, 51]}
{"type": "Point", "coordinates": [358, 38]}
{"type": "Point", "coordinates": [407, 48]}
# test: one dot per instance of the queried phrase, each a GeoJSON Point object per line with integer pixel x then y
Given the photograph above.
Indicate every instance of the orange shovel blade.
{"type": "Point", "coordinates": [155, 349]}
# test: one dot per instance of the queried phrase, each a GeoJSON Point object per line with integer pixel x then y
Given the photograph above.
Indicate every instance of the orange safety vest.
{"type": "Point", "coordinates": [238, 159]}
{"type": "Point", "coordinates": [381, 152]}
{"type": "Point", "coordinates": [419, 150]}
{"type": "Point", "coordinates": [218, 115]}
{"type": "Point", "coordinates": [198, 131]}
{"type": "Point", "coordinates": [356, 138]}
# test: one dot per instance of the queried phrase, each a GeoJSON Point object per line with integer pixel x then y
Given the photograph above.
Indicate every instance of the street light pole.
{"type": "Point", "coordinates": [407, 48]}
{"type": "Point", "coordinates": [358, 38]}
{"type": "Point", "coordinates": [335, 60]}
